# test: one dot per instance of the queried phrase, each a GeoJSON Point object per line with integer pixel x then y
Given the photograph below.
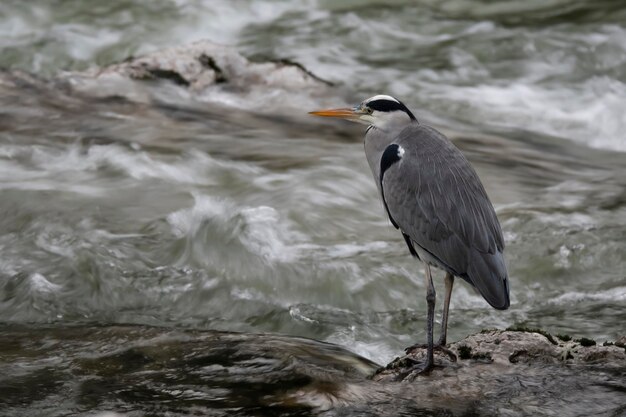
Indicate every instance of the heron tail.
{"type": "Point", "coordinates": [488, 274]}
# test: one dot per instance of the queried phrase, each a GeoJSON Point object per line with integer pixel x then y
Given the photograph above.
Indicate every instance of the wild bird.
{"type": "Point", "coordinates": [434, 197]}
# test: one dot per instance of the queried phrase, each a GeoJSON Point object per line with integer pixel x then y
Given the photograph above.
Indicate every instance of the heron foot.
{"type": "Point", "coordinates": [416, 370]}
{"type": "Point", "coordinates": [436, 348]}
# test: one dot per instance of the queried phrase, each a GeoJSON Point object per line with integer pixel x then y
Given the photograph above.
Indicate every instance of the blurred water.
{"type": "Point", "coordinates": [188, 216]}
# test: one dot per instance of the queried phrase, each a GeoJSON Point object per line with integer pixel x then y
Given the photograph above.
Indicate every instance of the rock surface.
{"type": "Point", "coordinates": [137, 370]}
{"type": "Point", "coordinates": [499, 352]}
{"type": "Point", "coordinates": [201, 67]}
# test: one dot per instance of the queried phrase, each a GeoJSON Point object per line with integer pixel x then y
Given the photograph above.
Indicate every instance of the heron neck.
{"type": "Point", "coordinates": [376, 141]}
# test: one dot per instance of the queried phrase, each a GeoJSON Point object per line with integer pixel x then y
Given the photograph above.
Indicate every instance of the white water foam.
{"type": "Point", "coordinates": [591, 113]}
{"type": "Point", "coordinates": [40, 284]}
{"type": "Point", "coordinates": [261, 230]}
{"type": "Point", "coordinates": [617, 294]}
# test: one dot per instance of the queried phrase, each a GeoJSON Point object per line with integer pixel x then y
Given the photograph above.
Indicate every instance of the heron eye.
{"type": "Point", "coordinates": [368, 110]}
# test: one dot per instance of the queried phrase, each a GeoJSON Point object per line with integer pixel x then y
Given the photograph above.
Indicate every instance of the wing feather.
{"type": "Point", "coordinates": [434, 195]}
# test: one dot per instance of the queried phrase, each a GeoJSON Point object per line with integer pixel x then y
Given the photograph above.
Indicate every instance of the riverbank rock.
{"type": "Point", "coordinates": [499, 352]}
{"type": "Point", "coordinates": [138, 370]}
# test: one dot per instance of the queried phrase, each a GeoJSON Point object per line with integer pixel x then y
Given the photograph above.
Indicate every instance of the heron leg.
{"type": "Point", "coordinates": [430, 299]}
{"type": "Point", "coordinates": [449, 282]}
{"type": "Point", "coordinates": [440, 346]}
{"type": "Point", "coordinates": [422, 368]}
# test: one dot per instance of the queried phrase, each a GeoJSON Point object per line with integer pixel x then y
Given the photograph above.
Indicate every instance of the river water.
{"type": "Point", "coordinates": [235, 212]}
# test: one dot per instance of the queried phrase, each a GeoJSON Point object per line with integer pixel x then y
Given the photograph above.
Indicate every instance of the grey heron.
{"type": "Point", "coordinates": [434, 197]}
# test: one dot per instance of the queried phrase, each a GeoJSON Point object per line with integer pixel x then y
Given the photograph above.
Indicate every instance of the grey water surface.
{"type": "Point", "coordinates": [236, 212]}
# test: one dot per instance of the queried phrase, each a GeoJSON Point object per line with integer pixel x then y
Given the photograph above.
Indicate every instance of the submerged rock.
{"type": "Point", "coordinates": [134, 370]}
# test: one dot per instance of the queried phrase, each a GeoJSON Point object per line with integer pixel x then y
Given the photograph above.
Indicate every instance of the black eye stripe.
{"type": "Point", "coordinates": [389, 106]}
{"type": "Point", "coordinates": [385, 105]}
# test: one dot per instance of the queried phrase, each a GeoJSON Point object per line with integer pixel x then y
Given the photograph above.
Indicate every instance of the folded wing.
{"type": "Point", "coordinates": [433, 195]}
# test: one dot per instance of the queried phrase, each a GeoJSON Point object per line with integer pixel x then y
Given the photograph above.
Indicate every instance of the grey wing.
{"type": "Point", "coordinates": [434, 195]}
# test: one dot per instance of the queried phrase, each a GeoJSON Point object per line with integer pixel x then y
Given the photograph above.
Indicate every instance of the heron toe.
{"type": "Point", "coordinates": [408, 368]}
{"type": "Point", "coordinates": [420, 369]}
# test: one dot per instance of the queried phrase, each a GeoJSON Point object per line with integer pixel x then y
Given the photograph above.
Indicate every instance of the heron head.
{"type": "Point", "coordinates": [381, 111]}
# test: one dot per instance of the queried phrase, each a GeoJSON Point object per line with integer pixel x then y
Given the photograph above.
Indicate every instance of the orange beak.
{"type": "Point", "coordinates": [345, 113]}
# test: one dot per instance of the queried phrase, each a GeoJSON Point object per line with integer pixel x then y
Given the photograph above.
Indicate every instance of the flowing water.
{"type": "Point", "coordinates": [213, 213]}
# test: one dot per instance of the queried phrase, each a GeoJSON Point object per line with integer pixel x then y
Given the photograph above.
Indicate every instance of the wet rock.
{"type": "Point", "coordinates": [495, 352]}
{"type": "Point", "coordinates": [145, 370]}
{"type": "Point", "coordinates": [518, 372]}
{"type": "Point", "coordinates": [200, 82]}
{"type": "Point", "coordinates": [197, 67]}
